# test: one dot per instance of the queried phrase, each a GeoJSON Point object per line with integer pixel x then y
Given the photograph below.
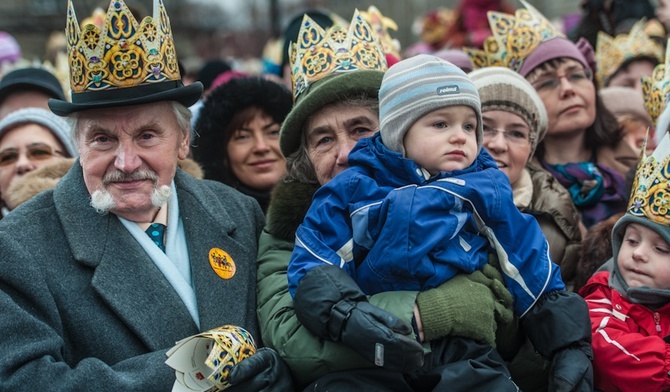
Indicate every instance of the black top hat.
{"type": "Point", "coordinates": [31, 79]}
{"type": "Point", "coordinates": [123, 62]}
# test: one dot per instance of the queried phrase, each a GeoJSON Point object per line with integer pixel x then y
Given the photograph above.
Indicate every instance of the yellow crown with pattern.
{"type": "Point", "coordinates": [122, 53]}
{"type": "Point", "coordinates": [613, 52]}
{"type": "Point", "coordinates": [650, 195]}
{"type": "Point", "coordinates": [319, 53]}
{"type": "Point", "coordinates": [514, 38]}
{"type": "Point", "coordinates": [381, 25]}
{"type": "Point", "coordinates": [656, 88]}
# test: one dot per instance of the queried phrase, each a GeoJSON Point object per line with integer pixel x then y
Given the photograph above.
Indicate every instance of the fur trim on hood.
{"type": "Point", "coordinates": [289, 205]}
{"type": "Point", "coordinates": [46, 177]}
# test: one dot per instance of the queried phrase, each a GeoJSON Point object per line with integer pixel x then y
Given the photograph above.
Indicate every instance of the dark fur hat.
{"type": "Point", "coordinates": [222, 104]}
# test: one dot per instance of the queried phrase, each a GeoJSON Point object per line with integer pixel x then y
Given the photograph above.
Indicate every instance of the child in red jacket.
{"type": "Point", "coordinates": [629, 297]}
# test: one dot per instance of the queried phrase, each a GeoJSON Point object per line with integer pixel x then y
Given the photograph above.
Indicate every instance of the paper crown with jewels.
{"type": "Point", "coordinates": [656, 88]}
{"type": "Point", "coordinates": [613, 52]}
{"type": "Point", "coordinates": [650, 194]}
{"type": "Point", "coordinates": [319, 53]}
{"type": "Point", "coordinates": [381, 25]}
{"type": "Point", "coordinates": [514, 38]}
{"type": "Point", "coordinates": [123, 62]}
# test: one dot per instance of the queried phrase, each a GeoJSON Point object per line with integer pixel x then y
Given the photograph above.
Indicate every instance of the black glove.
{"type": "Point", "coordinates": [560, 330]}
{"type": "Point", "coordinates": [263, 371]}
{"type": "Point", "coordinates": [330, 304]}
{"type": "Point", "coordinates": [571, 370]}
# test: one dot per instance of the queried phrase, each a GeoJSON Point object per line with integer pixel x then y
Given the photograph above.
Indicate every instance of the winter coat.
{"type": "Point", "coordinates": [385, 200]}
{"type": "Point", "coordinates": [630, 347]}
{"type": "Point", "coordinates": [85, 307]}
{"type": "Point", "coordinates": [558, 217]}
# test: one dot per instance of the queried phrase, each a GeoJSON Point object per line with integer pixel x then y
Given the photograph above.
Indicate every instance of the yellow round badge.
{"type": "Point", "coordinates": [221, 263]}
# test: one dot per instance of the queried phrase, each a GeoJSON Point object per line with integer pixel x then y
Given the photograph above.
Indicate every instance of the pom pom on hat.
{"type": "Point", "coordinates": [417, 86]}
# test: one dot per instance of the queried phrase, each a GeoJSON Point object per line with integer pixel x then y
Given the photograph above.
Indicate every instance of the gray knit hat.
{"type": "Point", "coordinates": [417, 86]}
{"type": "Point", "coordinates": [500, 88]}
{"type": "Point", "coordinates": [57, 125]}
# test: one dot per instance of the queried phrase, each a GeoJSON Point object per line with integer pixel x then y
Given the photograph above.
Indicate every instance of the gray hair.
{"type": "Point", "coordinates": [181, 112]}
{"type": "Point", "coordinates": [298, 166]}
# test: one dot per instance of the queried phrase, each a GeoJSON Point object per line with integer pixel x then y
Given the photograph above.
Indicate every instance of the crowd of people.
{"type": "Point", "coordinates": [475, 212]}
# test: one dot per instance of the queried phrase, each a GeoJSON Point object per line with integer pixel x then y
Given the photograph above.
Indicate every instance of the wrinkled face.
{"type": "Point", "coordinates": [332, 132]}
{"type": "Point", "coordinates": [444, 139]}
{"type": "Point", "coordinates": [254, 155]}
{"type": "Point", "coordinates": [507, 139]}
{"type": "Point", "coordinates": [568, 94]}
{"type": "Point", "coordinates": [631, 74]}
{"type": "Point", "coordinates": [132, 143]}
{"type": "Point", "coordinates": [644, 258]}
{"type": "Point", "coordinates": [24, 149]}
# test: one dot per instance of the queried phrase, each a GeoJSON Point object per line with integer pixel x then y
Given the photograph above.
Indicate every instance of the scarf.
{"type": "Point", "coordinates": [597, 191]}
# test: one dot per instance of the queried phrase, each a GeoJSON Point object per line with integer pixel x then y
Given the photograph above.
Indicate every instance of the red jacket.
{"type": "Point", "coordinates": [628, 347]}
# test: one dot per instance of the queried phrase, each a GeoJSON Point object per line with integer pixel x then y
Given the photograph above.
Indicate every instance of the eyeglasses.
{"type": "Point", "coordinates": [578, 77]}
{"type": "Point", "coordinates": [511, 136]}
{"type": "Point", "coordinates": [39, 152]}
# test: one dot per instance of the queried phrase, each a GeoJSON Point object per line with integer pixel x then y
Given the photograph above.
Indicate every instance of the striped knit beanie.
{"type": "Point", "coordinates": [417, 86]}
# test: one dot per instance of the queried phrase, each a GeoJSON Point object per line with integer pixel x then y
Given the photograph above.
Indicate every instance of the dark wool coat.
{"type": "Point", "coordinates": [84, 307]}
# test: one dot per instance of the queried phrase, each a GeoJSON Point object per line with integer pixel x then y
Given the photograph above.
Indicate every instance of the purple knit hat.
{"type": "Point", "coordinates": [558, 47]}
{"type": "Point", "coordinates": [10, 51]}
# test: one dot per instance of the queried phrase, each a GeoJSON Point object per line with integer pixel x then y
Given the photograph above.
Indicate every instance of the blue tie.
{"type": "Point", "coordinates": [156, 232]}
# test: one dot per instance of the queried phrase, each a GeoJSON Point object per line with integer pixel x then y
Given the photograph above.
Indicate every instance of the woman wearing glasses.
{"type": "Point", "coordinates": [514, 123]}
{"type": "Point", "coordinates": [29, 139]}
{"type": "Point", "coordinates": [584, 146]}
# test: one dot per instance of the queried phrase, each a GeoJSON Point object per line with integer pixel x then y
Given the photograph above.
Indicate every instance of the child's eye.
{"type": "Point", "coordinates": [440, 125]}
{"type": "Point", "coordinates": [468, 127]}
{"type": "Point", "coordinates": [631, 241]}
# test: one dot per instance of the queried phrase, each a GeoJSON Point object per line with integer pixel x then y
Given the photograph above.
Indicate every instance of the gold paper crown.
{"type": "Point", "coordinates": [319, 53]}
{"type": "Point", "coordinates": [381, 24]}
{"type": "Point", "coordinates": [611, 52]}
{"type": "Point", "coordinates": [514, 38]}
{"type": "Point", "coordinates": [656, 88]}
{"type": "Point", "coordinates": [122, 53]}
{"type": "Point", "coordinates": [650, 196]}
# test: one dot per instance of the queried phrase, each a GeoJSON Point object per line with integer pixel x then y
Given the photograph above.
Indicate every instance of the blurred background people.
{"type": "Point", "coordinates": [30, 138]}
{"type": "Point", "coordinates": [10, 52]}
{"type": "Point", "coordinates": [238, 130]}
{"type": "Point", "coordinates": [28, 87]}
{"type": "Point", "coordinates": [623, 60]}
{"type": "Point", "coordinates": [627, 105]}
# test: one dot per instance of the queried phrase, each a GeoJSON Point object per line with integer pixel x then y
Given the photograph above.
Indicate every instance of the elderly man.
{"type": "Point", "coordinates": [88, 299]}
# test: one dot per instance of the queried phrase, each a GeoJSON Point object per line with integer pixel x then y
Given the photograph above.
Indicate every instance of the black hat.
{"type": "Point", "coordinates": [123, 62]}
{"type": "Point", "coordinates": [31, 79]}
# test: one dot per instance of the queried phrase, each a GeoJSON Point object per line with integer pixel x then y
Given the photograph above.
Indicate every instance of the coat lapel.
{"type": "Point", "coordinates": [208, 226]}
{"type": "Point", "coordinates": [124, 276]}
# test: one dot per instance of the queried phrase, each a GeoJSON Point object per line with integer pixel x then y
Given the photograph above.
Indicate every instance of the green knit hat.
{"type": "Point", "coordinates": [323, 92]}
